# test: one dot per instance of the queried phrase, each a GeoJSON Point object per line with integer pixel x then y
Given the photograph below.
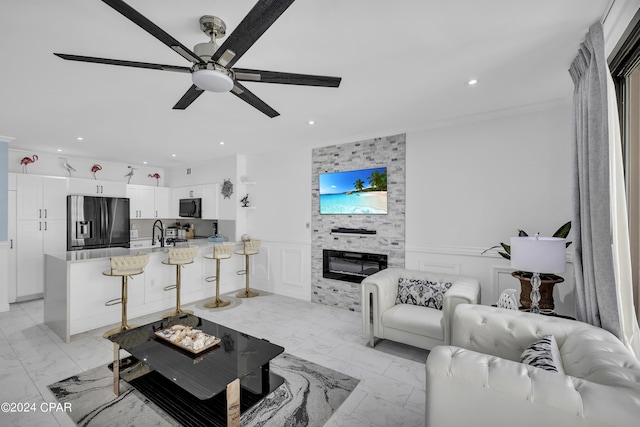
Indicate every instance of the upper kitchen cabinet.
{"type": "Point", "coordinates": [148, 202]}
{"type": "Point", "coordinates": [92, 187]}
{"type": "Point", "coordinates": [141, 201]}
{"type": "Point", "coordinates": [162, 202]}
{"type": "Point", "coordinates": [40, 198]}
{"type": "Point", "coordinates": [210, 201]}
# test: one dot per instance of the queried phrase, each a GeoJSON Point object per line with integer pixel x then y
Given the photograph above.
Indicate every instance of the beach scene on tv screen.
{"type": "Point", "coordinates": [354, 192]}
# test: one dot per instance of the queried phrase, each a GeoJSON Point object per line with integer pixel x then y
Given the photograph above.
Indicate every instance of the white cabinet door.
{"type": "Point", "coordinates": [54, 198]}
{"type": "Point", "coordinates": [54, 237]}
{"type": "Point", "coordinates": [112, 189]}
{"type": "Point", "coordinates": [162, 202]}
{"type": "Point", "coordinates": [13, 250]}
{"type": "Point", "coordinates": [92, 187]}
{"type": "Point", "coordinates": [30, 261]}
{"type": "Point", "coordinates": [141, 201]}
{"type": "Point", "coordinates": [84, 187]}
{"type": "Point", "coordinates": [210, 201]}
{"type": "Point", "coordinates": [29, 197]}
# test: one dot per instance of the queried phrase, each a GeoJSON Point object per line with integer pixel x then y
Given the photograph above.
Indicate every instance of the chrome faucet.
{"type": "Point", "coordinates": [153, 233]}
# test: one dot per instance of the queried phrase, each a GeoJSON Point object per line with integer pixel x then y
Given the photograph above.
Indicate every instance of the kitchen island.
{"type": "Point", "coordinates": [76, 290]}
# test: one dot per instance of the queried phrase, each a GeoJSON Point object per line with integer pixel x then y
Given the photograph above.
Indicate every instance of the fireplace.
{"type": "Point", "coordinates": [351, 266]}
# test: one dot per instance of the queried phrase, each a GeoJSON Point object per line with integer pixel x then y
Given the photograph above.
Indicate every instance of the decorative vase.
{"type": "Point", "coordinates": [546, 289]}
{"type": "Point", "coordinates": [508, 300]}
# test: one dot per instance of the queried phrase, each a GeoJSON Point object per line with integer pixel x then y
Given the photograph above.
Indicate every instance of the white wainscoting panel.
{"type": "Point", "coordinates": [292, 267]}
{"type": "Point", "coordinates": [445, 268]}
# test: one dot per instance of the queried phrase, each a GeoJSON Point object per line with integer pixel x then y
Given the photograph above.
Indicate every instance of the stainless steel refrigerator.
{"type": "Point", "coordinates": [97, 222]}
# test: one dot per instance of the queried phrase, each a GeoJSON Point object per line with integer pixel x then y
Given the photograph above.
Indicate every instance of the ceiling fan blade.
{"type": "Point", "coordinates": [134, 64]}
{"type": "Point", "coordinates": [190, 95]}
{"type": "Point", "coordinates": [257, 21]}
{"type": "Point", "coordinates": [157, 32]}
{"type": "Point", "coordinates": [244, 74]}
{"type": "Point", "coordinates": [248, 97]}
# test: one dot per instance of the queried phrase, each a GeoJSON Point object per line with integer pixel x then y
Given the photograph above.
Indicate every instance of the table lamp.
{"type": "Point", "coordinates": [538, 255]}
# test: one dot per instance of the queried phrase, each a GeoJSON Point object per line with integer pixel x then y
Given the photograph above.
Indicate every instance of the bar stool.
{"type": "Point", "coordinates": [249, 247]}
{"type": "Point", "coordinates": [179, 257]}
{"type": "Point", "coordinates": [124, 267]}
{"type": "Point", "coordinates": [220, 251]}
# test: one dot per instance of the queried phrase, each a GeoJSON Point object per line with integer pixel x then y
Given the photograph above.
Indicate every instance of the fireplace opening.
{"type": "Point", "coordinates": [351, 266]}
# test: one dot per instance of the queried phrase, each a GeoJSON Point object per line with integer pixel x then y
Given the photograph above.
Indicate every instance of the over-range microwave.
{"type": "Point", "coordinates": [190, 208]}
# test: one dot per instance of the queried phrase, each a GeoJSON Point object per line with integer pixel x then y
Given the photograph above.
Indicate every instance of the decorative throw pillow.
{"type": "Point", "coordinates": [544, 354]}
{"type": "Point", "coordinates": [421, 292]}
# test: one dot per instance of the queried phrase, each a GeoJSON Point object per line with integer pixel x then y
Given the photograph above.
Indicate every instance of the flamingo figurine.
{"type": "Point", "coordinates": [67, 166]}
{"type": "Point", "coordinates": [130, 174]}
{"type": "Point", "coordinates": [95, 168]}
{"type": "Point", "coordinates": [26, 160]}
{"type": "Point", "coordinates": [156, 176]}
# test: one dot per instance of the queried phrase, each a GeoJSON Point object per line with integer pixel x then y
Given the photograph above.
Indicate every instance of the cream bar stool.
{"type": "Point", "coordinates": [179, 257]}
{"type": "Point", "coordinates": [124, 267]}
{"type": "Point", "coordinates": [250, 247]}
{"type": "Point", "coordinates": [220, 251]}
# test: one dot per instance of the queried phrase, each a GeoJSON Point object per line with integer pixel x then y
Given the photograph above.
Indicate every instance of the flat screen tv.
{"type": "Point", "coordinates": [354, 192]}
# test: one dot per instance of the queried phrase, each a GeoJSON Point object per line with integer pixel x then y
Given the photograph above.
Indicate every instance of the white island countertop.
{"type": "Point", "coordinates": [94, 254]}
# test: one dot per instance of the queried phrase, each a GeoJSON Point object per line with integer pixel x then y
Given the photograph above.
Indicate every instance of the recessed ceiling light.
{"type": "Point", "coordinates": [144, 163]}
{"type": "Point", "coordinates": [59, 150]}
{"type": "Point", "coordinates": [173, 155]}
{"type": "Point", "coordinates": [311, 122]}
{"type": "Point", "coordinates": [472, 82]}
{"type": "Point", "coordinates": [221, 142]}
{"type": "Point", "coordinates": [79, 138]}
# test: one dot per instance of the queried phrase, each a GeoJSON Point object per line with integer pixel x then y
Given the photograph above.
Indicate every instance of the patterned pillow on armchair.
{"type": "Point", "coordinates": [421, 292]}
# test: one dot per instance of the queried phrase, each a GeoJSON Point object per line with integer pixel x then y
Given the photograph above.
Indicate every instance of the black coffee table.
{"type": "Point", "coordinates": [209, 388]}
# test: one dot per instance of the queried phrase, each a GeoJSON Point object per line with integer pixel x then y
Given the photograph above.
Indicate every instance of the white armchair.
{"type": "Point", "coordinates": [481, 373]}
{"type": "Point", "coordinates": [415, 325]}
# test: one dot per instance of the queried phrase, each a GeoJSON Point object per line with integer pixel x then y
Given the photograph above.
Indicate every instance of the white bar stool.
{"type": "Point", "coordinates": [220, 251]}
{"type": "Point", "coordinates": [179, 257]}
{"type": "Point", "coordinates": [250, 247]}
{"type": "Point", "coordinates": [124, 267]}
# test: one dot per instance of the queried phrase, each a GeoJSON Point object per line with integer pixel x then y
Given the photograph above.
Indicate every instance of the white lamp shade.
{"type": "Point", "coordinates": [538, 254]}
{"type": "Point", "coordinates": [212, 80]}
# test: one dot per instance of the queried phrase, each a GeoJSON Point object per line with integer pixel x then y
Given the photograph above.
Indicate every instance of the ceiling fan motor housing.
{"type": "Point", "coordinates": [212, 77]}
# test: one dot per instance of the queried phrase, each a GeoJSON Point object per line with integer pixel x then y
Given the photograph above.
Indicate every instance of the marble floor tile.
{"type": "Point", "coordinates": [377, 412]}
{"type": "Point", "coordinates": [391, 391]}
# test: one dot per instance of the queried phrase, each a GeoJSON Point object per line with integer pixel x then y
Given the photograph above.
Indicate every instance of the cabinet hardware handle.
{"type": "Point", "coordinates": [39, 213]}
{"type": "Point", "coordinates": [97, 189]}
{"type": "Point", "coordinates": [101, 189]}
{"type": "Point", "coordinates": [39, 226]}
{"type": "Point", "coordinates": [11, 247]}
{"type": "Point", "coordinates": [45, 213]}
{"type": "Point", "coordinates": [45, 226]}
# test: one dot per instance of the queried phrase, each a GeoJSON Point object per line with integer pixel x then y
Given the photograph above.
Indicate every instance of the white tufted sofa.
{"type": "Point", "coordinates": [418, 326]}
{"type": "Point", "coordinates": [480, 374]}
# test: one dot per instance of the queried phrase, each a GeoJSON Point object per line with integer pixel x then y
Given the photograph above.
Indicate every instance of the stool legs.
{"type": "Point", "coordinates": [178, 309]}
{"type": "Point", "coordinates": [217, 303]}
{"type": "Point", "coordinates": [123, 301]}
{"type": "Point", "coordinates": [247, 293]}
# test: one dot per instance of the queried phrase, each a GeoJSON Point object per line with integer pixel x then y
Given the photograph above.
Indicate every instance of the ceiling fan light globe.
{"type": "Point", "coordinates": [212, 80]}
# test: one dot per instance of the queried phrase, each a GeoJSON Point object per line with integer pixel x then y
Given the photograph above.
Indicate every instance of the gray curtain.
{"type": "Point", "coordinates": [596, 301]}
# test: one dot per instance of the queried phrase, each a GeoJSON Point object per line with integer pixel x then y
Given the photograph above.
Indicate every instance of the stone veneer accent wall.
{"type": "Point", "coordinates": [386, 152]}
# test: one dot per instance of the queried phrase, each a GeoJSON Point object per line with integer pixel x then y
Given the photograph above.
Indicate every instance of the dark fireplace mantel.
{"type": "Point", "coordinates": [351, 266]}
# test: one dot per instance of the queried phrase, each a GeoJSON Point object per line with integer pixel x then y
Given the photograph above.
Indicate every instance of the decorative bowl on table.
{"type": "Point", "coordinates": [217, 239]}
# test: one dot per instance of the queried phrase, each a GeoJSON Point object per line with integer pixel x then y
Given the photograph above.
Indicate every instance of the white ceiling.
{"type": "Point", "coordinates": [404, 66]}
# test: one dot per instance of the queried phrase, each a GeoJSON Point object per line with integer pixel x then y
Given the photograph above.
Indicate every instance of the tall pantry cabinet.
{"type": "Point", "coordinates": [41, 225]}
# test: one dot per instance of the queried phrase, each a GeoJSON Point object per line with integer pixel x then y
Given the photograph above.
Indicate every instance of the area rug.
{"type": "Point", "coordinates": [309, 396]}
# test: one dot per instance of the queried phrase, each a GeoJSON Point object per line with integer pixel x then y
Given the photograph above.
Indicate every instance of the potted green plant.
{"type": "Point", "coordinates": [547, 280]}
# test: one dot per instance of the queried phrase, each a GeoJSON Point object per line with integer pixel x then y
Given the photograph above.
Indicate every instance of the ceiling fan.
{"type": "Point", "coordinates": [212, 64]}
